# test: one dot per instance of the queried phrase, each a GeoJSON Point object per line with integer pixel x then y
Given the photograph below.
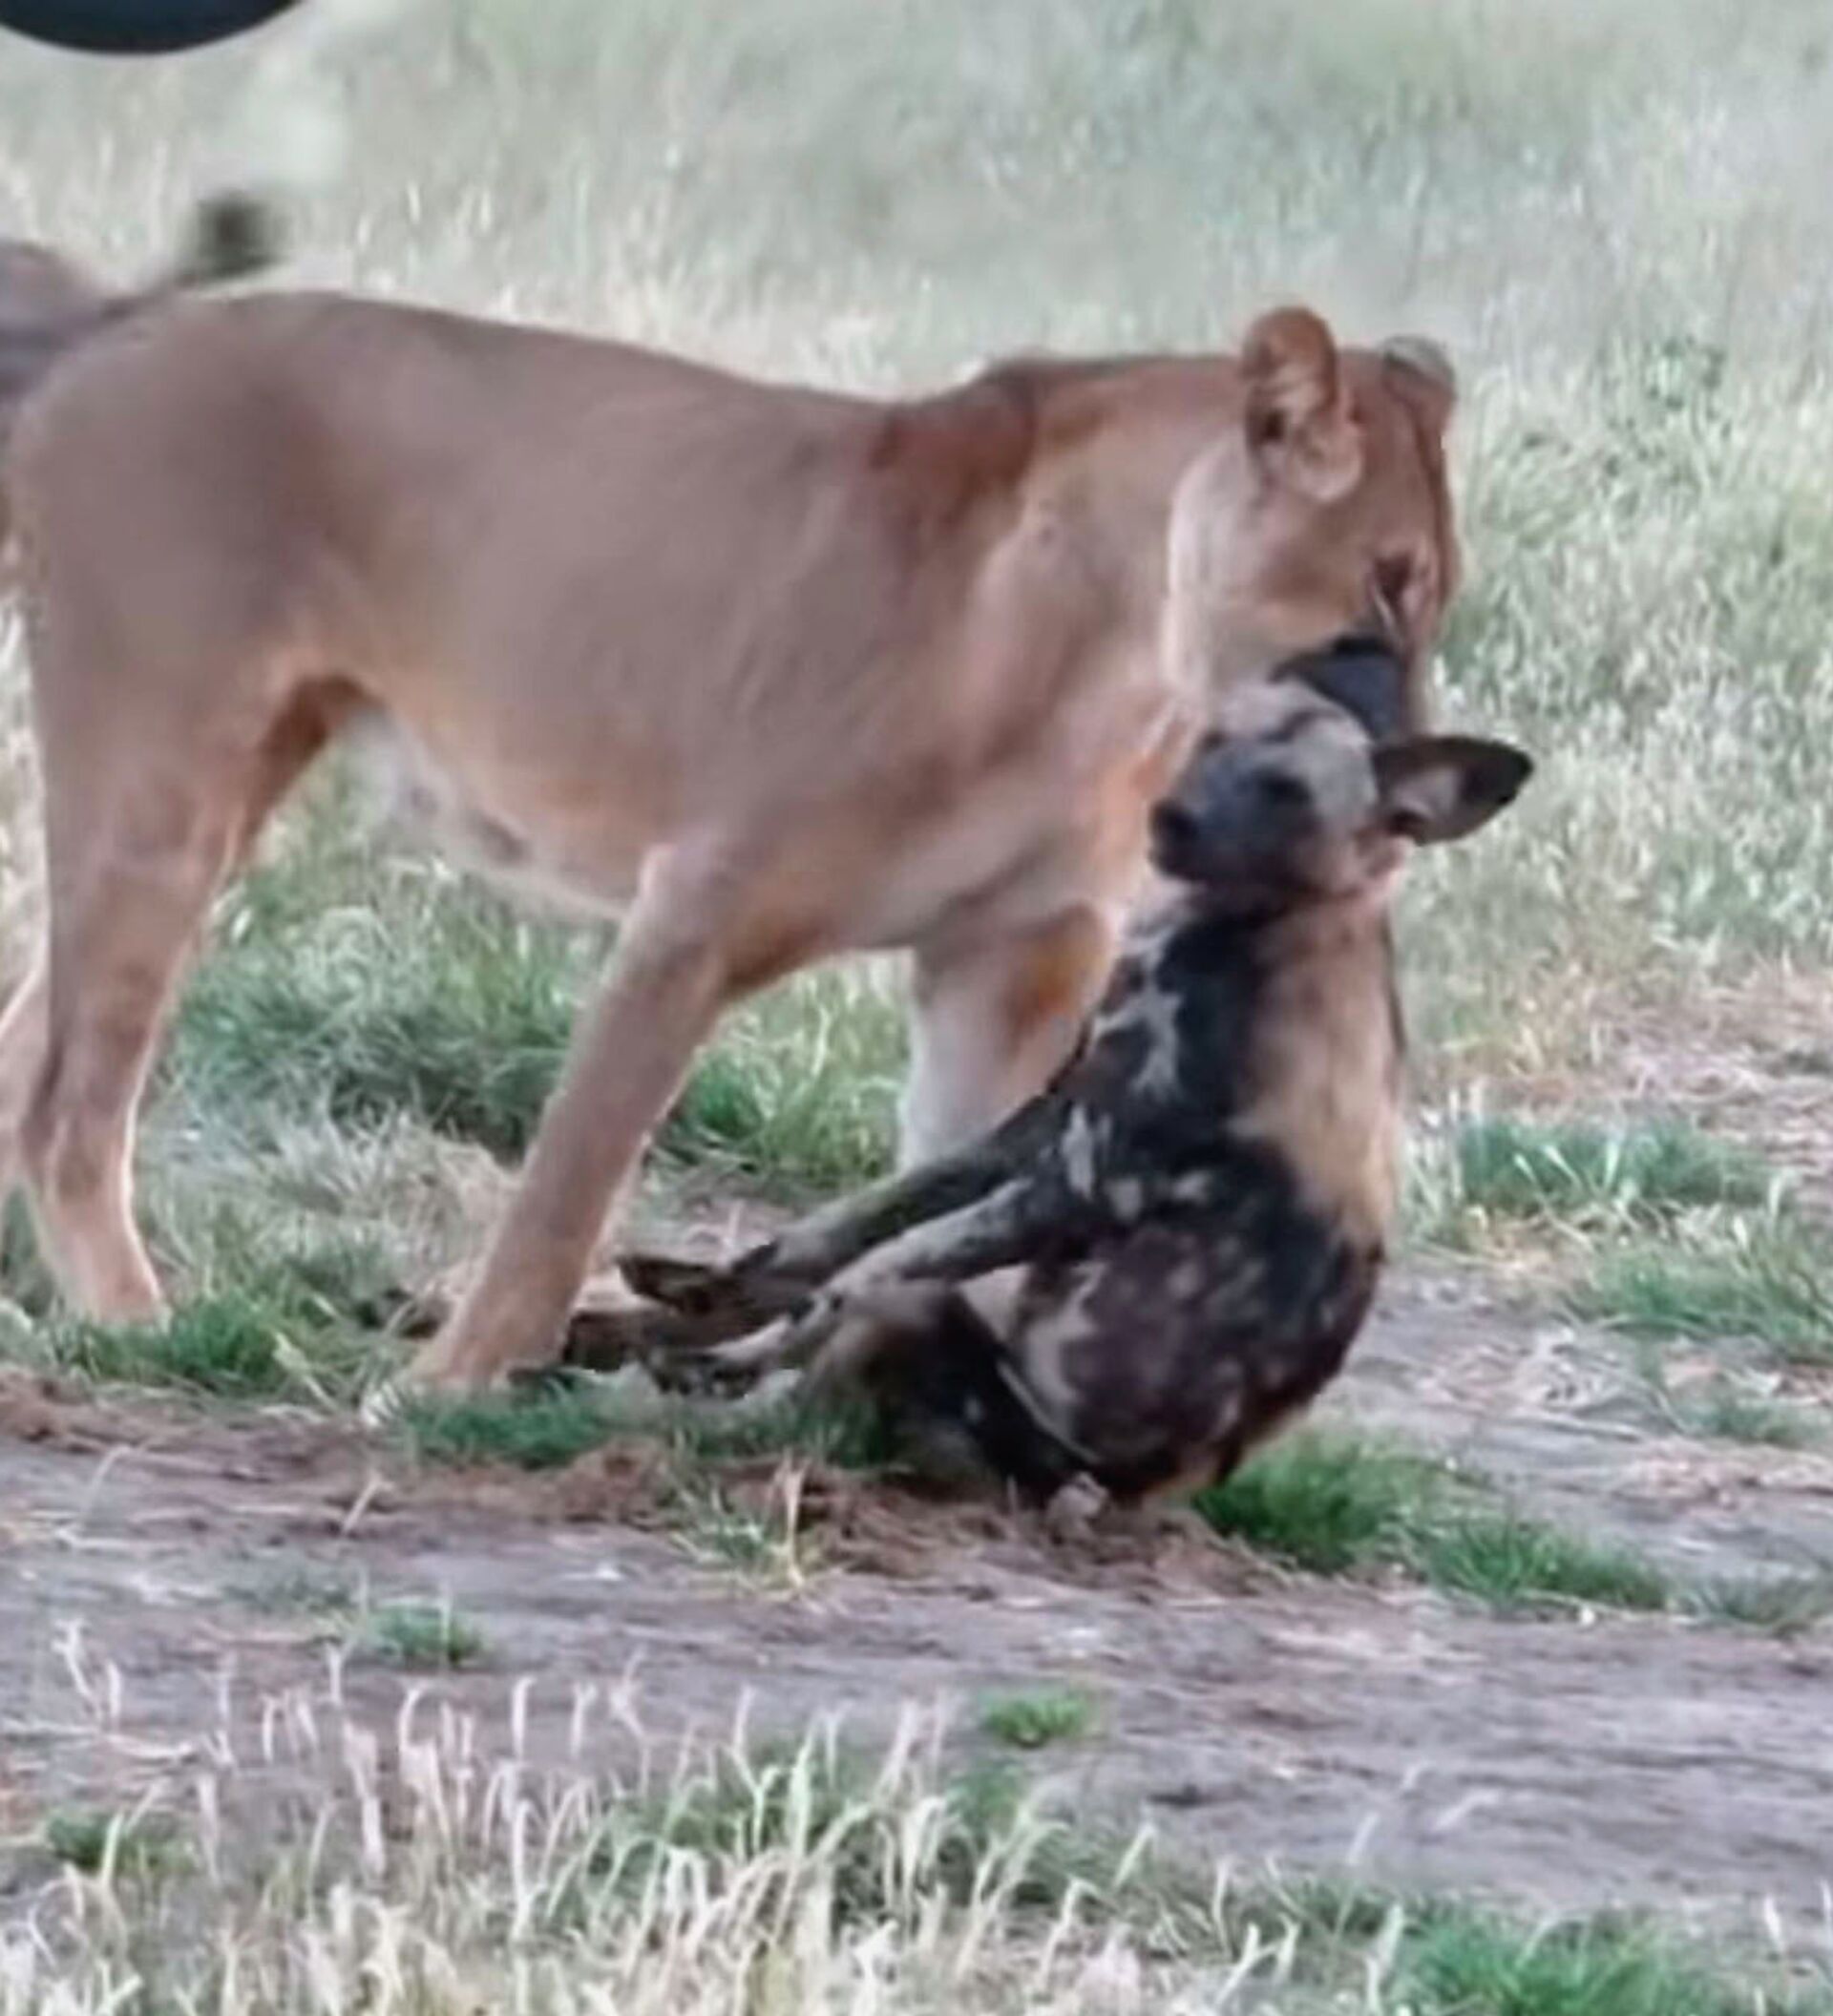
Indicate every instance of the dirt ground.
{"type": "Point", "coordinates": [1379, 1729]}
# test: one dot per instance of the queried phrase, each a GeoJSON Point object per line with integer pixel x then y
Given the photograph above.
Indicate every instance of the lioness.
{"type": "Point", "coordinates": [47, 301]}
{"type": "Point", "coordinates": [776, 673]}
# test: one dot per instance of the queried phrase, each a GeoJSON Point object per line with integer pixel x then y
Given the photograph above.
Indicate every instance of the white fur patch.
{"type": "Point", "coordinates": [1152, 1009]}
{"type": "Point", "coordinates": [1080, 1152]}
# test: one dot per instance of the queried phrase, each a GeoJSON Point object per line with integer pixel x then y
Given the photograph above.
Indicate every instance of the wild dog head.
{"type": "Point", "coordinates": [1290, 799]}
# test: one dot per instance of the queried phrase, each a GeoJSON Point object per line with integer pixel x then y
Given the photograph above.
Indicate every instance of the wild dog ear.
{"type": "Point", "coordinates": [1439, 787]}
{"type": "Point", "coordinates": [1421, 370]}
{"type": "Point", "coordinates": [1300, 430]}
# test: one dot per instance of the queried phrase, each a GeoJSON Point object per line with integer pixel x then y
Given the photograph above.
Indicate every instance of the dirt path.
{"type": "Point", "coordinates": [1564, 1763]}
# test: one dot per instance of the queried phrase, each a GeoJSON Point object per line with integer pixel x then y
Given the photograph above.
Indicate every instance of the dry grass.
{"type": "Point", "coordinates": [421, 1864]}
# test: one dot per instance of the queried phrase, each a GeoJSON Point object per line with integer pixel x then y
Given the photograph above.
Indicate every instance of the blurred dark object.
{"type": "Point", "coordinates": [136, 28]}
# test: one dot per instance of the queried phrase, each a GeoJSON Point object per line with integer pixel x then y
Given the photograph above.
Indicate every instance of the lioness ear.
{"type": "Point", "coordinates": [1421, 372]}
{"type": "Point", "coordinates": [1439, 787]}
{"type": "Point", "coordinates": [1299, 428]}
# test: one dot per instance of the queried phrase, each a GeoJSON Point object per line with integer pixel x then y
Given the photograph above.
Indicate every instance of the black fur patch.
{"type": "Point", "coordinates": [1361, 675]}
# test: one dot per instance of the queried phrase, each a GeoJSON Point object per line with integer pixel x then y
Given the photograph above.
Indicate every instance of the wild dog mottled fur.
{"type": "Point", "coordinates": [1197, 1209]}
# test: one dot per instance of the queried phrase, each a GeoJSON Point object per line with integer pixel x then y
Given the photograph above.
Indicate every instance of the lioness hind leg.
{"type": "Point", "coordinates": [23, 1034]}
{"type": "Point", "coordinates": [135, 850]}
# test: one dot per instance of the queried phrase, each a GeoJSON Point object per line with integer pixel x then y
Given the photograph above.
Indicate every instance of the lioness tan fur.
{"type": "Point", "coordinates": [775, 673]}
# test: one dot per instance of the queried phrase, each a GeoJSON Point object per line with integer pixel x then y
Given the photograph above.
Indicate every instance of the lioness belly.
{"type": "Point", "coordinates": [513, 850]}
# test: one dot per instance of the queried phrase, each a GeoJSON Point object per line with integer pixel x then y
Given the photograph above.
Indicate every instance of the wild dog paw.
{"type": "Point", "coordinates": [1075, 1508]}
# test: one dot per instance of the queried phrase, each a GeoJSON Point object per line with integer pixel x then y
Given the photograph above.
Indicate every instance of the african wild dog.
{"type": "Point", "coordinates": [1192, 1219]}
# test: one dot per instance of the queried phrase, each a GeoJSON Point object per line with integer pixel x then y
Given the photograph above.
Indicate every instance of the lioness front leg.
{"type": "Point", "coordinates": [673, 971]}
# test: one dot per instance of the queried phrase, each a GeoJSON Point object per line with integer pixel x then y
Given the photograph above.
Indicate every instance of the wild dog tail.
{"type": "Point", "coordinates": [231, 235]}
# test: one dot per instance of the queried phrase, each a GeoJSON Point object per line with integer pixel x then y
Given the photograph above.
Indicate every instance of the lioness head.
{"type": "Point", "coordinates": [1322, 510]}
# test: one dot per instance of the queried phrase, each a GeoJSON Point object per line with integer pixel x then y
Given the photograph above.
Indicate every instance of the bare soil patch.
{"type": "Point", "coordinates": [1367, 1728]}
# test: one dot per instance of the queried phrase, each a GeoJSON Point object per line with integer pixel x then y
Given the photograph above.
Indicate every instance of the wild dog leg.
{"type": "Point", "coordinates": [703, 1309]}
{"type": "Point", "coordinates": [776, 1277]}
{"type": "Point", "coordinates": [1000, 1229]}
{"type": "Point", "coordinates": [921, 1350]}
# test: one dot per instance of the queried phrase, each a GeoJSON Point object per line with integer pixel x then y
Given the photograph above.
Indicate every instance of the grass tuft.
{"type": "Point", "coordinates": [1510, 1563]}
{"type": "Point", "coordinates": [429, 1637]}
{"type": "Point", "coordinates": [223, 1346]}
{"type": "Point", "coordinates": [543, 1429]}
{"type": "Point", "coordinates": [675, 1888]}
{"type": "Point", "coordinates": [1767, 1278]}
{"type": "Point", "coordinates": [538, 1431]}
{"type": "Point", "coordinates": [1335, 1504]}
{"type": "Point", "coordinates": [1785, 1606]}
{"type": "Point", "coordinates": [1587, 1176]}
{"type": "Point", "coordinates": [136, 1845]}
{"type": "Point", "coordinates": [1470, 1960]}
{"type": "Point", "coordinates": [1576, 1182]}
{"type": "Point", "coordinates": [1738, 1406]}
{"type": "Point", "coordinates": [420, 997]}
{"type": "Point", "coordinates": [1040, 1716]}
{"type": "Point", "coordinates": [1327, 1502]}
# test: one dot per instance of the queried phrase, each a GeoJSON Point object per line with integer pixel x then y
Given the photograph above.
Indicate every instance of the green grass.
{"type": "Point", "coordinates": [1585, 1176]}
{"type": "Point", "coordinates": [1768, 1278]}
{"type": "Point", "coordinates": [1336, 1503]}
{"type": "Point", "coordinates": [227, 1347]}
{"type": "Point", "coordinates": [418, 997]}
{"type": "Point", "coordinates": [1729, 1406]}
{"type": "Point", "coordinates": [1783, 1605]}
{"type": "Point", "coordinates": [1476, 1962]}
{"type": "Point", "coordinates": [141, 1846]}
{"type": "Point", "coordinates": [1728, 1414]}
{"type": "Point", "coordinates": [461, 1020]}
{"type": "Point", "coordinates": [544, 1429]}
{"type": "Point", "coordinates": [1508, 1562]}
{"type": "Point", "coordinates": [425, 1637]}
{"type": "Point", "coordinates": [1038, 1716]}
{"type": "Point", "coordinates": [1327, 1502]}
{"type": "Point", "coordinates": [533, 1431]}
{"type": "Point", "coordinates": [285, 1325]}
